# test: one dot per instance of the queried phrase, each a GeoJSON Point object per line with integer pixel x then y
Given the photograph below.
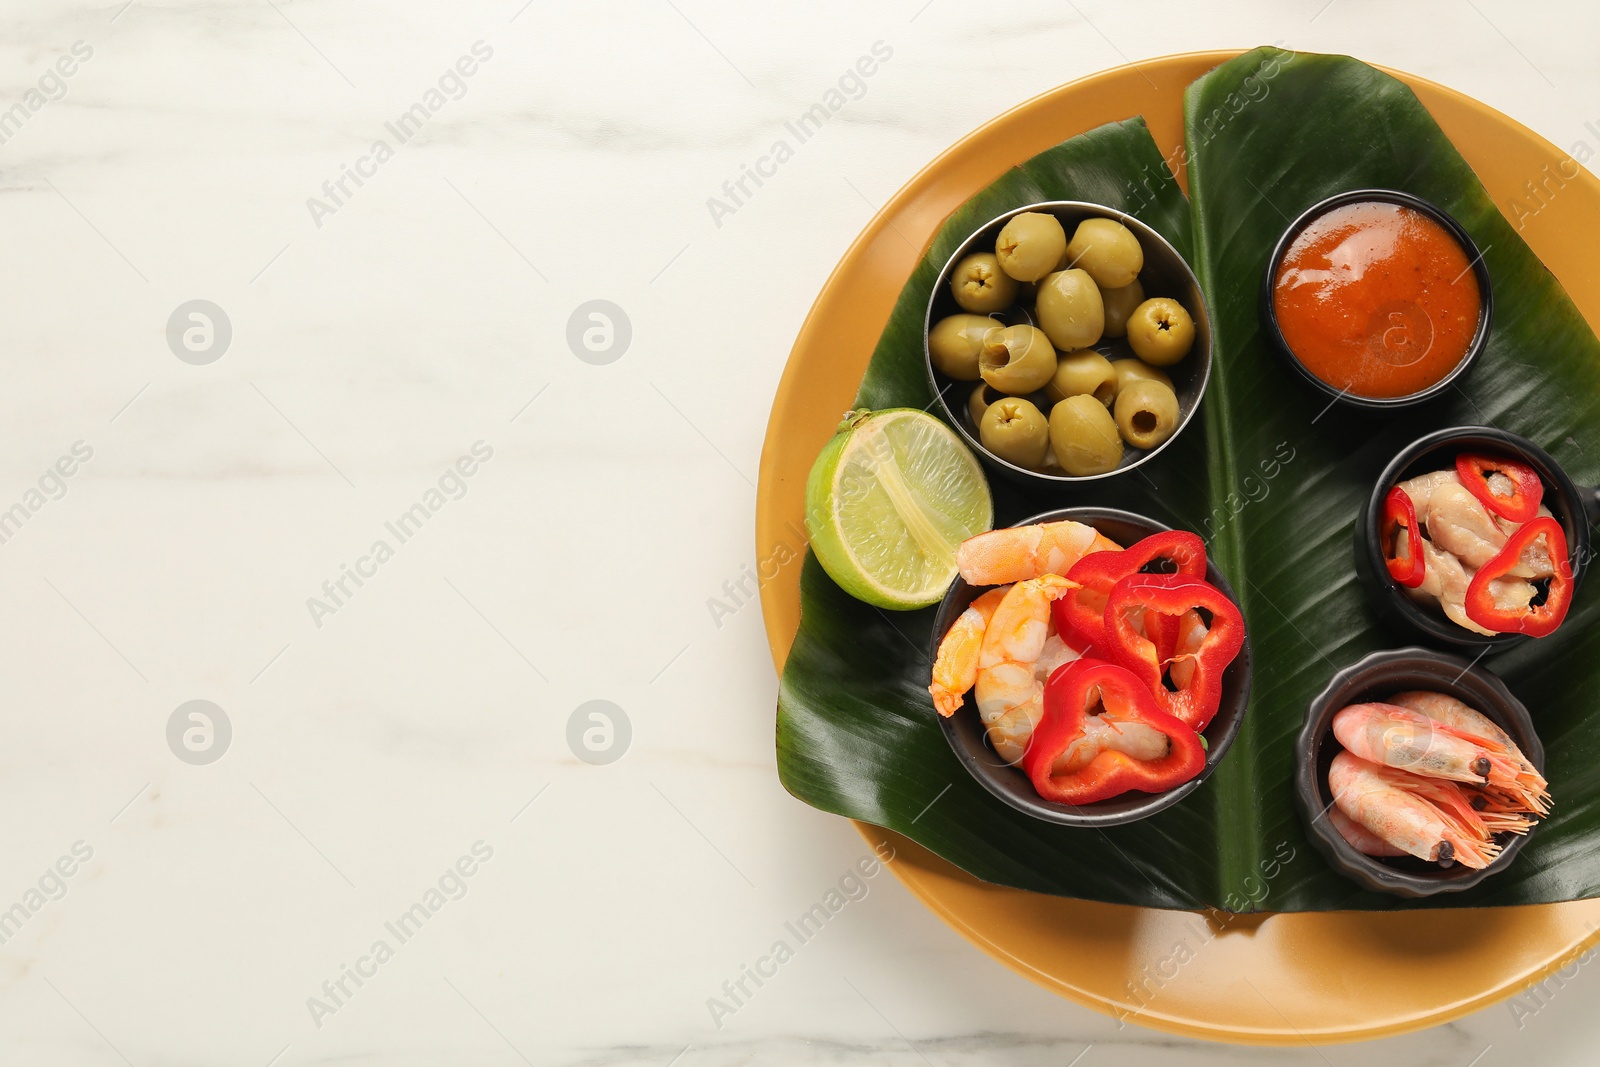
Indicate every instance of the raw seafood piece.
{"type": "Point", "coordinates": [1458, 523]}
{"type": "Point", "coordinates": [1488, 573]}
{"type": "Point", "coordinates": [1445, 581]}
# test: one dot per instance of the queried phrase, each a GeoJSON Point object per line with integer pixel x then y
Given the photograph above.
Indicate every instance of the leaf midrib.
{"type": "Point", "coordinates": [1234, 783]}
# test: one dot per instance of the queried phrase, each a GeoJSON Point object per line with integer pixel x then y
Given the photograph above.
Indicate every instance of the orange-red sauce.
{"type": "Point", "coordinates": [1377, 298]}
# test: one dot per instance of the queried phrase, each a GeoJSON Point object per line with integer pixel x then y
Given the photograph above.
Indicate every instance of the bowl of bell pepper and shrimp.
{"type": "Point", "coordinates": [1090, 666]}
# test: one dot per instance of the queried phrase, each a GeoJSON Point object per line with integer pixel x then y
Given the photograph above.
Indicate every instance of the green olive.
{"type": "Point", "coordinates": [1108, 250]}
{"type": "Point", "coordinates": [983, 394]}
{"type": "Point", "coordinates": [954, 342]}
{"type": "Point", "coordinates": [1119, 304]}
{"type": "Point", "coordinates": [1084, 371]}
{"type": "Point", "coordinates": [1030, 245]}
{"type": "Point", "coordinates": [1147, 413]}
{"type": "Point", "coordinates": [1070, 311]}
{"type": "Point", "coordinates": [979, 285]}
{"type": "Point", "coordinates": [1016, 431]}
{"type": "Point", "coordinates": [1084, 437]}
{"type": "Point", "coordinates": [1016, 359]}
{"type": "Point", "coordinates": [1132, 370]}
{"type": "Point", "coordinates": [1160, 331]}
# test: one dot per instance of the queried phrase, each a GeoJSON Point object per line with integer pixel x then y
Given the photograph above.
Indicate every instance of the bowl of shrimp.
{"type": "Point", "coordinates": [1458, 535]}
{"type": "Point", "coordinates": [1418, 772]}
{"type": "Point", "coordinates": [992, 747]}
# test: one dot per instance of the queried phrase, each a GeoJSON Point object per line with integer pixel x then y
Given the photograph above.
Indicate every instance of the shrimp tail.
{"type": "Point", "coordinates": [946, 701]}
{"type": "Point", "coordinates": [955, 667]}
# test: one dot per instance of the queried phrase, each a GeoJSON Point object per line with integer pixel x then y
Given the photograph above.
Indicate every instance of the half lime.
{"type": "Point", "coordinates": [888, 501]}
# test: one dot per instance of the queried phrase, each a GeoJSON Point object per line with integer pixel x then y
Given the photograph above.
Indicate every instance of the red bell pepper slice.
{"type": "Point", "coordinates": [1080, 615]}
{"type": "Point", "coordinates": [1400, 513]}
{"type": "Point", "coordinates": [1089, 706]}
{"type": "Point", "coordinates": [1527, 490]}
{"type": "Point", "coordinates": [1539, 615]}
{"type": "Point", "coordinates": [1197, 700]}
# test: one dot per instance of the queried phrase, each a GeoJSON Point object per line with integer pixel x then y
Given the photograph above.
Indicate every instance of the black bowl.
{"type": "Point", "coordinates": [965, 731]}
{"type": "Point", "coordinates": [1377, 405]}
{"type": "Point", "coordinates": [1165, 273]}
{"type": "Point", "coordinates": [1574, 507]}
{"type": "Point", "coordinates": [1377, 677]}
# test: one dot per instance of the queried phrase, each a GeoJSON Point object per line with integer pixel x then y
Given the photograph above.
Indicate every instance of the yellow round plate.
{"type": "Point", "coordinates": [1274, 979]}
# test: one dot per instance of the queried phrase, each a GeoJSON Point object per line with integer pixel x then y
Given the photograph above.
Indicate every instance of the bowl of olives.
{"type": "Point", "coordinates": [1067, 342]}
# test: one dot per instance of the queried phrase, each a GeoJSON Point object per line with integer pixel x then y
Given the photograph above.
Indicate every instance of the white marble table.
{"type": "Point", "coordinates": [395, 759]}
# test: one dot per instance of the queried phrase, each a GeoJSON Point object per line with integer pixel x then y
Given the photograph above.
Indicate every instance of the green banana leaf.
{"type": "Point", "coordinates": [1271, 477]}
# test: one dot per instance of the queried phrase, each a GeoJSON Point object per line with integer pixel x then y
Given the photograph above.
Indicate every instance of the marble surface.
{"type": "Point", "coordinates": [555, 522]}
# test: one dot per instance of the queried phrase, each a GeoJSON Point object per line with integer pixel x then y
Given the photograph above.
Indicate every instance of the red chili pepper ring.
{"type": "Point", "coordinates": [1498, 597]}
{"type": "Point", "coordinates": [1477, 472]}
{"type": "Point", "coordinates": [1404, 557]}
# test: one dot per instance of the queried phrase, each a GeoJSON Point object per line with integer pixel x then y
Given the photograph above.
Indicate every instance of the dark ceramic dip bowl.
{"type": "Point", "coordinates": [1574, 507]}
{"type": "Point", "coordinates": [1377, 677]}
{"type": "Point", "coordinates": [1376, 405]}
{"type": "Point", "coordinates": [966, 734]}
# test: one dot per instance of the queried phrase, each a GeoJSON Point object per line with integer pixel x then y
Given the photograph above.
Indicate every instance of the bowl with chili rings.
{"type": "Point", "coordinates": [1377, 298]}
{"type": "Point", "coordinates": [1010, 783]}
{"type": "Point", "coordinates": [1491, 584]}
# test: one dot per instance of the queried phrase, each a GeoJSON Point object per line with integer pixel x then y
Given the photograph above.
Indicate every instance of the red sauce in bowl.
{"type": "Point", "coordinates": [1378, 299]}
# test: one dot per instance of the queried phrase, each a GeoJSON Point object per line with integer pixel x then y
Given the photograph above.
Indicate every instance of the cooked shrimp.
{"type": "Point", "coordinates": [1018, 553]}
{"type": "Point", "coordinates": [1102, 733]}
{"type": "Point", "coordinates": [1452, 712]}
{"type": "Point", "coordinates": [1056, 653]}
{"type": "Point", "coordinates": [1426, 818]}
{"type": "Point", "coordinates": [1009, 692]}
{"type": "Point", "coordinates": [1360, 838]}
{"type": "Point", "coordinates": [1458, 522]}
{"type": "Point", "coordinates": [1414, 741]}
{"type": "Point", "coordinates": [955, 668]}
{"type": "Point", "coordinates": [1532, 791]}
